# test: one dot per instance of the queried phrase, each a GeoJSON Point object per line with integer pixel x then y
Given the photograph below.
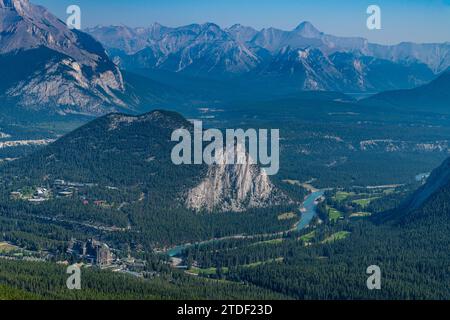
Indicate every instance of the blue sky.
{"type": "Point", "coordinates": [402, 20]}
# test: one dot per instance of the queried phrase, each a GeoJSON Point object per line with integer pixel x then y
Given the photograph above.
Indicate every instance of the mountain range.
{"type": "Point", "coordinates": [303, 58]}
{"type": "Point", "coordinates": [48, 68]}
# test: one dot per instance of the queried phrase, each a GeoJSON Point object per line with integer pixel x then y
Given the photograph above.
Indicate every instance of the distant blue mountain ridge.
{"type": "Point", "coordinates": [302, 59]}
{"type": "Point", "coordinates": [47, 68]}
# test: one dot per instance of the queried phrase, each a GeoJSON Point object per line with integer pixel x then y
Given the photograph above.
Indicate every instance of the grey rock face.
{"type": "Point", "coordinates": [312, 69]}
{"type": "Point", "coordinates": [78, 77]}
{"type": "Point", "coordinates": [242, 33]}
{"type": "Point", "coordinates": [234, 188]}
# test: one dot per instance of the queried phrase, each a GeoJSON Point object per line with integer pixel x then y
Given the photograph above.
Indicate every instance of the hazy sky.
{"type": "Point", "coordinates": [402, 20]}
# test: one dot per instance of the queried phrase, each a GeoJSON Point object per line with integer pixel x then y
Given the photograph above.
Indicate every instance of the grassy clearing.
{"type": "Point", "coordinates": [212, 271]}
{"type": "Point", "coordinates": [333, 214]}
{"type": "Point", "coordinates": [287, 216]}
{"type": "Point", "coordinates": [341, 235]}
{"type": "Point", "coordinates": [360, 214]}
{"type": "Point", "coordinates": [205, 272]}
{"type": "Point", "coordinates": [256, 264]}
{"type": "Point", "coordinates": [365, 202]}
{"type": "Point", "coordinates": [7, 248]}
{"type": "Point", "coordinates": [341, 195]}
{"type": "Point", "coordinates": [308, 237]}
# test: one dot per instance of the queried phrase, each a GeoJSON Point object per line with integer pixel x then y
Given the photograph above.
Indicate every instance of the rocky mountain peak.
{"type": "Point", "coordinates": [234, 187]}
{"type": "Point", "coordinates": [212, 32]}
{"type": "Point", "coordinates": [74, 74]}
{"type": "Point", "coordinates": [306, 29]}
{"type": "Point", "coordinates": [18, 5]}
{"type": "Point", "coordinates": [242, 33]}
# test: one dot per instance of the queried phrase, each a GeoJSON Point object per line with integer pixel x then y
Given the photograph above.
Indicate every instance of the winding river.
{"type": "Point", "coordinates": [309, 207]}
